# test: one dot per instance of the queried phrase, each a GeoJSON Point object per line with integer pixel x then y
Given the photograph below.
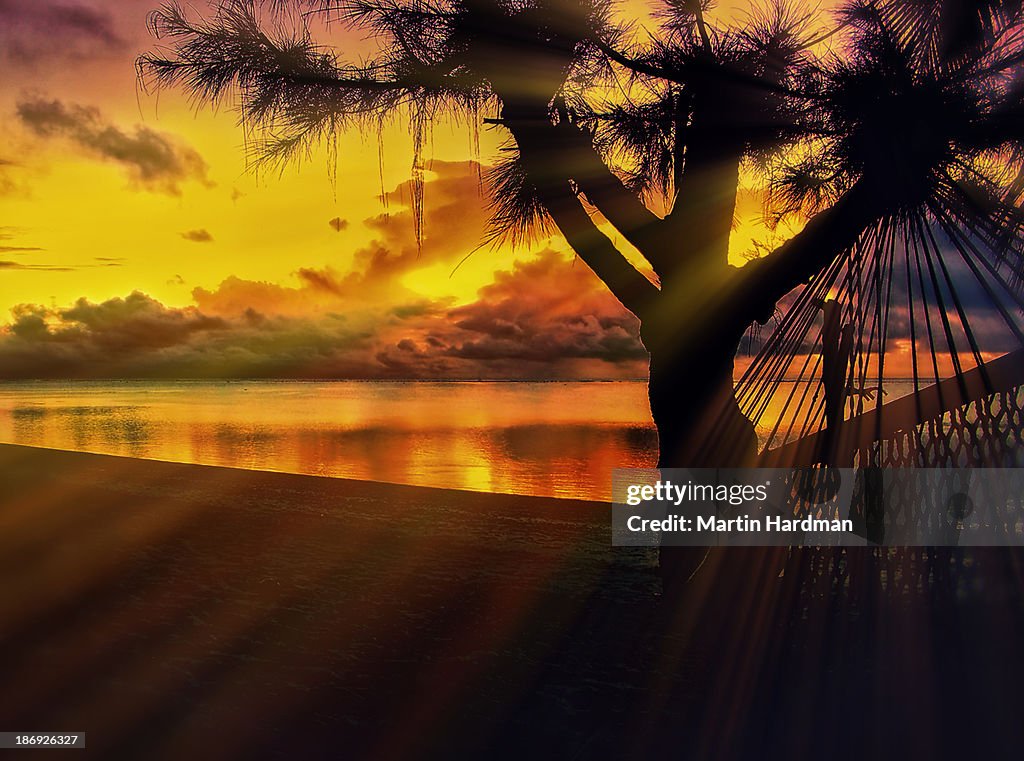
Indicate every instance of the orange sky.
{"type": "Point", "coordinates": [133, 240]}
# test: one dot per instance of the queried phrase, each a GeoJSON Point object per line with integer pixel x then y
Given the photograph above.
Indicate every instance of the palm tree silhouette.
{"type": "Point", "coordinates": [897, 127]}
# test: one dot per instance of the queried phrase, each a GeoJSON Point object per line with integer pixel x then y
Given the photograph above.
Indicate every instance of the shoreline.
{"type": "Point", "coordinates": [13, 451]}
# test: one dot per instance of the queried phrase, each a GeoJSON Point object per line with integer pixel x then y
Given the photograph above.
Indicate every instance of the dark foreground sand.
{"type": "Point", "coordinates": [189, 612]}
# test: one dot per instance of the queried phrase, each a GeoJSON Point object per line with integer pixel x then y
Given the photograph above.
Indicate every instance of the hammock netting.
{"type": "Point", "coordinates": [927, 308]}
{"type": "Point", "coordinates": [917, 301]}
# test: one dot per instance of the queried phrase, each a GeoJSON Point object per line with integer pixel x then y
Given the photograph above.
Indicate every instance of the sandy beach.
{"type": "Point", "coordinates": [173, 609]}
{"type": "Point", "coordinates": [177, 611]}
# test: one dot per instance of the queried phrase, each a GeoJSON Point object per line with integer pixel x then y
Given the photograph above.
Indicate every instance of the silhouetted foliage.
{"type": "Point", "coordinates": [887, 120]}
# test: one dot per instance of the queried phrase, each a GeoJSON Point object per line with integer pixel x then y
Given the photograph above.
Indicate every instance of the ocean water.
{"type": "Point", "coordinates": [549, 439]}
{"type": "Point", "coordinates": [545, 439]}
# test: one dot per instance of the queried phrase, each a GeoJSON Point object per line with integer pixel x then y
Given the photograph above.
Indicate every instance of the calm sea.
{"type": "Point", "coordinates": [549, 439]}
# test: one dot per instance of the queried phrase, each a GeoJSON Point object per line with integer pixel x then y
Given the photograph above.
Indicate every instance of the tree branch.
{"type": "Point", "coordinates": [827, 235]}
{"type": "Point", "coordinates": [698, 67]}
{"type": "Point", "coordinates": [627, 213]}
{"type": "Point", "coordinates": [575, 152]}
{"type": "Point", "coordinates": [547, 170]}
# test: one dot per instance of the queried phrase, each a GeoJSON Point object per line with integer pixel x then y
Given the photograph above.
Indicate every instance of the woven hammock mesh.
{"type": "Point", "coordinates": [915, 302]}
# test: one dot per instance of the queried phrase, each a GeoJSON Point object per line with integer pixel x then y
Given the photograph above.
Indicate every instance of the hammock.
{"type": "Point", "coordinates": [946, 298]}
{"type": "Point", "coordinates": [931, 307]}
{"type": "Point", "coordinates": [975, 419]}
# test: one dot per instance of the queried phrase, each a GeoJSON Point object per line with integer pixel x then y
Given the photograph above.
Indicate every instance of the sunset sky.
{"type": "Point", "coordinates": [135, 242]}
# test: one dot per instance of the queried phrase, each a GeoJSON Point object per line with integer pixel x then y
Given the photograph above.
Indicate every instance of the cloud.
{"type": "Point", "coordinates": [453, 223]}
{"type": "Point", "coordinates": [9, 183]}
{"type": "Point", "coordinates": [101, 261]}
{"type": "Point", "coordinates": [321, 280]}
{"type": "Point", "coordinates": [542, 319]}
{"type": "Point", "coordinates": [8, 265]}
{"type": "Point", "coordinates": [32, 31]}
{"type": "Point", "coordinates": [155, 161]}
{"type": "Point", "coordinates": [10, 233]}
{"type": "Point", "coordinates": [546, 311]}
{"type": "Point", "coordinates": [914, 335]}
{"type": "Point", "coordinates": [545, 317]}
{"type": "Point", "coordinates": [137, 336]}
{"type": "Point", "coordinates": [198, 236]}
{"type": "Point", "coordinates": [338, 224]}
{"type": "Point", "coordinates": [454, 218]}
{"type": "Point", "coordinates": [135, 322]}
{"type": "Point", "coordinates": [235, 295]}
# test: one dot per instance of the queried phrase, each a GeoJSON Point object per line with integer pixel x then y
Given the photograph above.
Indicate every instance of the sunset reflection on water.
{"type": "Point", "coordinates": [547, 439]}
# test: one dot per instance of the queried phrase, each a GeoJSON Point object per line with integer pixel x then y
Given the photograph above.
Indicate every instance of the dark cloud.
{"type": "Point", "coordinates": [33, 31]}
{"type": "Point", "coordinates": [8, 265]}
{"type": "Point", "coordinates": [155, 161]}
{"type": "Point", "coordinates": [42, 267]}
{"type": "Point", "coordinates": [321, 280]}
{"type": "Point", "coordinates": [417, 309]}
{"type": "Point", "coordinates": [136, 322]}
{"type": "Point", "coordinates": [991, 315]}
{"type": "Point", "coordinates": [545, 311]}
{"type": "Point", "coordinates": [338, 224]}
{"type": "Point", "coordinates": [198, 236]}
{"type": "Point", "coordinates": [138, 336]}
{"type": "Point", "coordinates": [543, 319]}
